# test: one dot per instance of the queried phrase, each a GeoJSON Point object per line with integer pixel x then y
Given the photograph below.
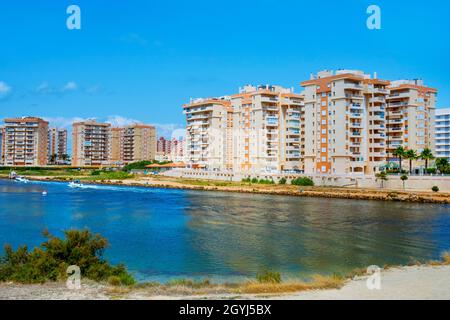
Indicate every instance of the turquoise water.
{"type": "Point", "coordinates": [161, 233]}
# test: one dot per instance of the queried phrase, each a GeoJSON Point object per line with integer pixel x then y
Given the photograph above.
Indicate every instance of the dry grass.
{"type": "Point", "coordinates": [318, 282]}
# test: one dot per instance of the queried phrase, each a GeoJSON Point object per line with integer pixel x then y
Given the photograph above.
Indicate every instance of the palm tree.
{"type": "Point", "coordinates": [400, 152]}
{"type": "Point", "coordinates": [411, 155]}
{"type": "Point", "coordinates": [426, 155]}
{"type": "Point", "coordinates": [404, 178]}
{"type": "Point", "coordinates": [381, 176]}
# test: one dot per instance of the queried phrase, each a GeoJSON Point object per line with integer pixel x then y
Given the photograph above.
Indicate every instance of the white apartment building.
{"type": "Point", "coordinates": [410, 116]}
{"type": "Point", "coordinates": [24, 141]}
{"type": "Point", "coordinates": [442, 133]}
{"type": "Point", "coordinates": [208, 143]}
{"type": "Point", "coordinates": [344, 120]}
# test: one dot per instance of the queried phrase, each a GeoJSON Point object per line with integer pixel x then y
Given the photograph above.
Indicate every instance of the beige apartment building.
{"type": "Point", "coordinates": [24, 141]}
{"type": "Point", "coordinates": [91, 143]}
{"type": "Point", "coordinates": [57, 145]}
{"type": "Point", "coordinates": [267, 129]}
{"type": "Point", "coordinates": [345, 129]}
{"type": "Point", "coordinates": [133, 143]}
{"type": "Point", "coordinates": [410, 116]}
{"type": "Point", "coordinates": [255, 130]}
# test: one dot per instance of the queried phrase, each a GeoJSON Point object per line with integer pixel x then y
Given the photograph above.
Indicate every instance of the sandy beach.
{"type": "Point", "coordinates": [416, 283]}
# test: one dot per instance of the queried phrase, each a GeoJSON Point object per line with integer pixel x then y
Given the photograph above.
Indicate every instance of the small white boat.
{"type": "Point", "coordinates": [76, 184]}
{"type": "Point", "coordinates": [22, 179]}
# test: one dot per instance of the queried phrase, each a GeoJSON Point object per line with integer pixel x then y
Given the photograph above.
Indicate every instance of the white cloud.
{"type": "Point", "coordinates": [5, 89]}
{"type": "Point", "coordinates": [70, 86]}
{"type": "Point", "coordinates": [94, 89]}
{"type": "Point", "coordinates": [170, 130]}
{"type": "Point", "coordinates": [119, 121]}
{"type": "Point", "coordinates": [43, 88]}
{"type": "Point", "coordinates": [62, 122]}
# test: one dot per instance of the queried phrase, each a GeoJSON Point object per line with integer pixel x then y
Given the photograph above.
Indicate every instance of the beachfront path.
{"type": "Point", "coordinates": [424, 282]}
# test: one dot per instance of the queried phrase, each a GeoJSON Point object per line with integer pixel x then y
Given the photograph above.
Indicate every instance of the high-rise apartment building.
{"type": "Point", "coordinates": [25, 142]}
{"type": "Point", "coordinates": [410, 116]}
{"type": "Point", "coordinates": [255, 130]}
{"type": "Point", "coordinates": [344, 117]}
{"type": "Point", "coordinates": [57, 145]}
{"type": "Point", "coordinates": [133, 143]}
{"type": "Point", "coordinates": [91, 143]}
{"type": "Point", "coordinates": [208, 143]}
{"type": "Point", "coordinates": [177, 150]}
{"type": "Point", "coordinates": [164, 145]}
{"type": "Point", "coordinates": [267, 129]}
{"type": "Point", "coordinates": [442, 133]}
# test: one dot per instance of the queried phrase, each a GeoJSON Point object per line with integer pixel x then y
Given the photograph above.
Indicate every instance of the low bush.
{"type": "Point", "coordinates": [49, 261]}
{"type": "Point", "coordinates": [282, 181]}
{"type": "Point", "coordinates": [266, 181]}
{"type": "Point", "coordinates": [268, 277]}
{"type": "Point", "coordinates": [435, 189]}
{"type": "Point", "coordinates": [303, 181]}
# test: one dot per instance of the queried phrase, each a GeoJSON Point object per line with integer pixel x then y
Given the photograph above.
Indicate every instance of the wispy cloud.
{"type": "Point", "coordinates": [5, 90]}
{"type": "Point", "coordinates": [119, 121]}
{"type": "Point", "coordinates": [70, 86]}
{"type": "Point", "coordinates": [134, 38]}
{"type": "Point", "coordinates": [63, 122]}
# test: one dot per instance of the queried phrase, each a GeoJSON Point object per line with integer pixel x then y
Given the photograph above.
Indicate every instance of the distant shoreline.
{"type": "Point", "coordinates": [285, 190]}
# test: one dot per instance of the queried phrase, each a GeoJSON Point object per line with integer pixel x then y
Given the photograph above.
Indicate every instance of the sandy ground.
{"type": "Point", "coordinates": [422, 282]}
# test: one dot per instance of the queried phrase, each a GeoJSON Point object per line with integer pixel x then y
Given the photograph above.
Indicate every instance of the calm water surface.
{"type": "Point", "coordinates": [161, 234]}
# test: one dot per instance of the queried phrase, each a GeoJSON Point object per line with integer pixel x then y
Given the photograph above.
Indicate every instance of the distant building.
{"type": "Point", "coordinates": [442, 133]}
{"type": "Point", "coordinates": [91, 142]}
{"type": "Point", "coordinates": [25, 141]}
{"type": "Point", "coordinates": [177, 151]}
{"type": "Point", "coordinates": [133, 143]}
{"type": "Point", "coordinates": [57, 146]}
{"type": "Point", "coordinates": [164, 145]}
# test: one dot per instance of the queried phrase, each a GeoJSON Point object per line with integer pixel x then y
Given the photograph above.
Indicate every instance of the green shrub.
{"type": "Point", "coordinates": [96, 173]}
{"type": "Point", "coordinates": [266, 181]}
{"type": "Point", "coordinates": [254, 180]}
{"type": "Point", "coordinates": [246, 180]}
{"type": "Point", "coordinates": [268, 277]}
{"type": "Point", "coordinates": [435, 189]}
{"type": "Point", "coordinates": [282, 181]}
{"type": "Point", "coordinates": [431, 170]}
{"type": "Point", "coordinates": [302, 181]}
{"type": "Point", "coordinates": [50, 261]}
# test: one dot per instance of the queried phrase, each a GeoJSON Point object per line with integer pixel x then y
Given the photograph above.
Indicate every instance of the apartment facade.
{"type": "Point", "coordinates": [25, 141]}
{"type": "Point", "coordinates": [91, 143]}
{"type": "Point", "coordinates": [344, 118]}
{"type": "Point", "coordinates": [208, 128]}
{"type": "Point", "coordinates": [267, 129]}
{"type": "Point", "coordinates": [133, 143]}
{"type": "Point", "coordinates": [410, 116]}
{"type": "Point", "coordinates": [255, 130]}
{"type": "Point", "coordinates": [57, 145]}
{"type": "Point", "coordinates": [177, 150]}
{"type": "Point", "coordinates": [442, 133]}
{"type": "Point", "coordinates": [163, 146]}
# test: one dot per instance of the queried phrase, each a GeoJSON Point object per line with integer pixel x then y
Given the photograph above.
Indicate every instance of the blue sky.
{"type": "Point", "coordinates": [143, 59]}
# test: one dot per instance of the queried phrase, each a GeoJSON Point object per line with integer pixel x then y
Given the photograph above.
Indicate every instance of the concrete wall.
{"type": "Point", "coordinates": [363, 181]}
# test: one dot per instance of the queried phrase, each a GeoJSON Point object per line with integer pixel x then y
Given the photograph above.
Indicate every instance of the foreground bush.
{"type": "Point", "coordinates": [49, 262]}
{"type": "Point", "coordinates": [303, 181]}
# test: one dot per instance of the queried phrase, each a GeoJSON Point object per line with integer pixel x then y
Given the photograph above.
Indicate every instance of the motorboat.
{"type": "Point", "coordinates": [21, 179]}
{"type": "Point", "coordinates": [76, 184]}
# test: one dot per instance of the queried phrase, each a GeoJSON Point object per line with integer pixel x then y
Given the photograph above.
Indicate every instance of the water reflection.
{"type": "Point", "coordinates": [161, 234]}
